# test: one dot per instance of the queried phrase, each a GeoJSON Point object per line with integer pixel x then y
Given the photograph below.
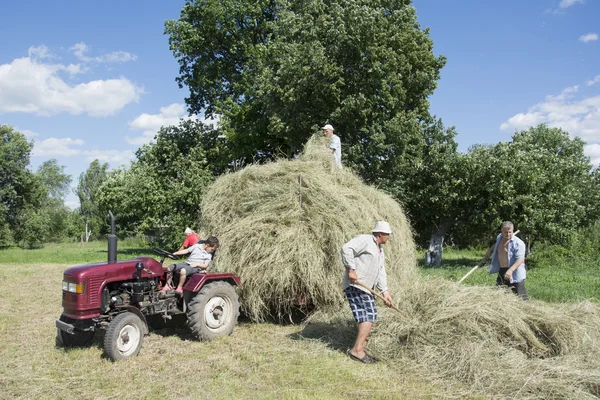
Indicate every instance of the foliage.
{"type": "Point", "coordinates": [53, 220]}
{"type": "Point", "coordinates": [88, 191]}
{"type": "Point", "coordinates": [54, 178]}
{"type": "Point", "coordinates": [540, 180]}
{"type": "Point", "coordinates": [21, 191]}
{"type": "Point", "coordinates": [275, 70]}
{"type": "Point", "coordinates": [160, 193]}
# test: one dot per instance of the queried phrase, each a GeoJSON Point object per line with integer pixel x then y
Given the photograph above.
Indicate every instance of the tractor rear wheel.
{"type": "Point", "coordinates": [124, 336]}
{"type": "Point", "coordinates": [214, 311]}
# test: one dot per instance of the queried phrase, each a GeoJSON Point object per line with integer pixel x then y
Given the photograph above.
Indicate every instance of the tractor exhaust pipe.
{"type": "Point", "coordinates": [112, 240]}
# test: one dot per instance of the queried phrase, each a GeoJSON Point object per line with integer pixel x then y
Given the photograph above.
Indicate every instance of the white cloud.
{"type": "Point", "coordinates": [593, 152]}
{"type": "Point", "coordinates": [113, 157]}
{"type": "Point", "coordinates": [151, 123]}
{"type": "Point", "coordinates": [80, 49]}
{"type": "Point", "coordinates": [569, 3]}
{"type": "Point", "coordinates": [593, 81]}
{"type": "Point", "coordinates": [39, 52]}
{"type": "Point", "coordinates": [53, 147]}
{"type": "Point", "coordinates": [68, 147]}
{"type": "Point", "coordinates": [28, 134]}
{"type": "Point", "coordinates": [589, 37]}
{"type": "Point", "coordinates": [565, 94]}
{"type": "Point", "coordinates": [30, 86]}
{"type": "Point", "coordinates": [578, 116]}
{"type": "Point", "coordinates": [72, 204]}
{"type": "Point", "coordinates": [523, 121]}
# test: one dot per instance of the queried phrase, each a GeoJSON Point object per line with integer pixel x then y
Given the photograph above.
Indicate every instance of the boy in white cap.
{"type": "Point", "coordinates": [335, 144]}
{"type": "Point", "coordinates": [364, 260]}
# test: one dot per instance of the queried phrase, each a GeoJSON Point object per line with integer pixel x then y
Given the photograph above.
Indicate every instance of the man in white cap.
{"type": "Point", "coordinates": [335, 144]}
{"type": "Point", "coordinates": [190, 240]}
{"type": "Point", "coordinates": [364, 260]}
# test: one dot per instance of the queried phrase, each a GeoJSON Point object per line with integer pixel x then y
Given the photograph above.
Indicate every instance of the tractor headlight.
{"type": "Point", "coordinates": [73, 287]}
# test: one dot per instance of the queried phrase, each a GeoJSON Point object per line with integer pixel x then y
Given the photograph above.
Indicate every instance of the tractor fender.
{"type": "Point", "coordinates": [137, 312]}
{"type": "Point", "coordinates": [197, 281]}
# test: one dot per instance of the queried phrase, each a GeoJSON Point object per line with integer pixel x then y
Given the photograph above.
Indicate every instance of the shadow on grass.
{"type": "Point", "coordinates": [337, 336]}
{"type": "Point", "coordinates": [176, 326]}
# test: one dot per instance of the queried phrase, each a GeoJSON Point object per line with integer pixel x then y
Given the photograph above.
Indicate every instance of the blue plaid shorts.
{"type": "Point", "coordinates": [362, 305]}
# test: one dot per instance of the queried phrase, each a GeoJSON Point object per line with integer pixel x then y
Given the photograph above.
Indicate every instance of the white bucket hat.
{"type": "Point", "coordinates": [382, 227]}
{"type": "Point", "coordinates": [188, 230]}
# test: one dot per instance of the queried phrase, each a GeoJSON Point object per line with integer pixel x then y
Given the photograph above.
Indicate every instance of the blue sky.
{"type": "Point", "coordinates": [88, 80]}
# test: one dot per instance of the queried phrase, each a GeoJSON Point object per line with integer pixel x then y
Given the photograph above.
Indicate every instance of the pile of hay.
{"type": "Point", "coordinates": [487, 338]}
{"type": "Point", "coordinates": [282, 225]}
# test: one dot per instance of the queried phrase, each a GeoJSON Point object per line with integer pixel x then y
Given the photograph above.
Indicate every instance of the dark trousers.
{"type": "Point", "coordinates": [517, 288]}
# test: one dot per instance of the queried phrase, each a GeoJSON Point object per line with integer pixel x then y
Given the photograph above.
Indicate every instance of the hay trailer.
{"type": "Point", "coordinates": [123, 298]}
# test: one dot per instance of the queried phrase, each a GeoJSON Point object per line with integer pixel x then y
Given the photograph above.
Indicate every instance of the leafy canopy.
{"type": "Point", "coordinates": [160, 193]}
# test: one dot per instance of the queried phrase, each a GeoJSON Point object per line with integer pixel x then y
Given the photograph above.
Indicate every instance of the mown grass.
{"type": "Point", "coordinates": [552, 275]}
{"type": "Point", "coordinates": [263, 361]}
{"type": "Point", "coordinates": [74, 253]}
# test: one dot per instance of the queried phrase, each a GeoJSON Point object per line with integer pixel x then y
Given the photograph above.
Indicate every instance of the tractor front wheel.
{"type": "Point", "coordinates": [76, 339]}
{"type": "Point", "coordinates": [214, 311]}
{"type": "Point", "coordinates": [124, 336]}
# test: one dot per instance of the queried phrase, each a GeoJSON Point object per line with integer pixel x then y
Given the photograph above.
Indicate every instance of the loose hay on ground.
{"type": "Point", "coordinates": [487, 338]}
{"type": "Point", "coordinates": [282, 225]}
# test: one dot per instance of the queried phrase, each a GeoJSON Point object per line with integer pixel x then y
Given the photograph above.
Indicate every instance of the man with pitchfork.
{"type": "Point", "coordinates": [364, 260]}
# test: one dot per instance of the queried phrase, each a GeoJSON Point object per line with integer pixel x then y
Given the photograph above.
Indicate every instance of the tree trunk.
{"type": "Point", "coordinates": [433, 256]}
{"type": "Point", "coordinates": [87, 233]}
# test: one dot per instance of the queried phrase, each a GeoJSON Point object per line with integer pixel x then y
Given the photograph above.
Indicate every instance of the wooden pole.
{"type": "Point", "coordinates": [478, 265]}
{"type": "Point", "coordinates": [374, 293]}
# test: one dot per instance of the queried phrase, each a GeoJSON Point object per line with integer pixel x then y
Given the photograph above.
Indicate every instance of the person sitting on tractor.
{"type": "Point", "coordinates": [190, 239]}
{"type": "Point", "coordinates": [200, 256]}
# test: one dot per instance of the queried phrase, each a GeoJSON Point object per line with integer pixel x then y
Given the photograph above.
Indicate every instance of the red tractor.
{"type": "Point", "coordinates": [122, 297]}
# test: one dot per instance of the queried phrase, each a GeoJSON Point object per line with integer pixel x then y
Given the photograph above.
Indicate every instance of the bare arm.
{"type": "Point", "coordinates": [183, 252]}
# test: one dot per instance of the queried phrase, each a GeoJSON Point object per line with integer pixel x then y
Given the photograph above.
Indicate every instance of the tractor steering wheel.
{"type": "Point", "coordinates": [164, 253]}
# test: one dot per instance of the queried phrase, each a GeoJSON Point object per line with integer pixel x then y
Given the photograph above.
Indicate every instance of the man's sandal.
{"type": "Point", "coordinates": [366, 359]}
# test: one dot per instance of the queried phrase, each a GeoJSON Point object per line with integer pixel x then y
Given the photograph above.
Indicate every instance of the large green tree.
{"type": "Point", "coordinates": [51, 221]}
{"type": "Point", "coordinates": [20, 190]}
{"type": "Point", "coordinates": [160, 193]}
{"type": "Point", "coordinates": [87, 190]}
{"type": "Point", "coordinates": [541, 180]}
{"type": "Point", "coordinates": [275, 70]}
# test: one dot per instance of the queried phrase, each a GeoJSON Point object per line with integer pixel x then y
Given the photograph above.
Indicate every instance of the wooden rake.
{"type": "Point", "coordinates": [374, 293]}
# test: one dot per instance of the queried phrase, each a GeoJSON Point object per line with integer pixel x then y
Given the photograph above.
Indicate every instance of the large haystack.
{"type": "Point", "coordinates": [282, 225]}
{"type": "Point", "coordinates": [487, 338]}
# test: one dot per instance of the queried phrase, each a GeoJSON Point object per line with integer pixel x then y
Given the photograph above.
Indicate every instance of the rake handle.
{"type": "Point", "coordinates": [478, 265]}
{"type": "Point", "coordinates": [374, 293]}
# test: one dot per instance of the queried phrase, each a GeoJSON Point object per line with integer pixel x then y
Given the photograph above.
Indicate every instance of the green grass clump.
{"type": "Point", "coordinates": [73, 252]}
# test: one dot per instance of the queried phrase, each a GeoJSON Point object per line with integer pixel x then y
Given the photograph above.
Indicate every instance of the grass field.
{"type": "Point", "coordinates": [558, 279]}
{"type": "Point", "coordinates": [257, 361]}
{"type": "Point", "coordinates": [263, 361]}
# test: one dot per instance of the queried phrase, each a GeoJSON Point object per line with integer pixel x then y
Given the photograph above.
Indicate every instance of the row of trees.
{"type": "Point", "coordinates": [273, 71]}
{"type": "Point", "coordinates": [32, 209]}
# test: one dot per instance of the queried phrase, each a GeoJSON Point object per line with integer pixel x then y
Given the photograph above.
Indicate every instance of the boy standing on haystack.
{"type": "Point", "coordinates": [364, 260]}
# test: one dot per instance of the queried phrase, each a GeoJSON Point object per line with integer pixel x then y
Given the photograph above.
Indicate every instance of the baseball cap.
{"type": "Point", "coordinates": [328, 126]}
